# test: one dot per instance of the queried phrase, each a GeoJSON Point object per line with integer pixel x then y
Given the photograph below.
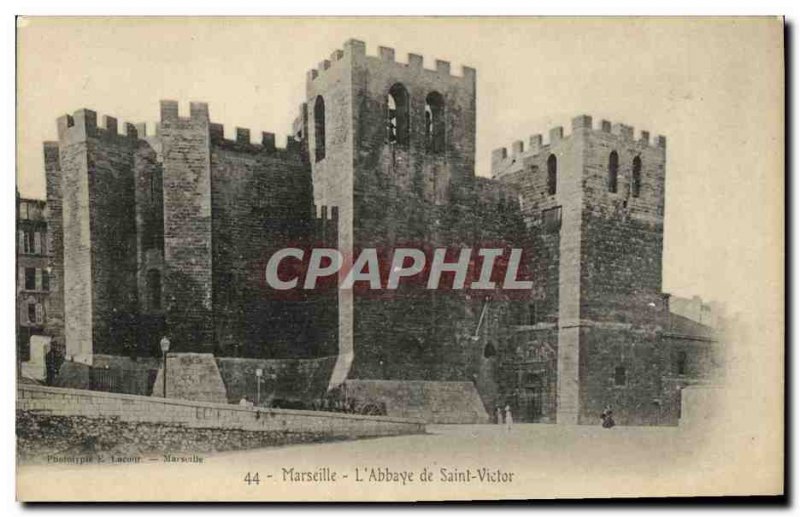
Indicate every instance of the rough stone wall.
{"type": "Point", "coordinates": [76, 238]}
{"type": "Point", "coordinates": [98, 234]}
{"type": "Point", "coordinates": [293, 380]}
{"type": "Point", "coordinates": [190, 376]}
{"type": "Point", "coordinates": [390, 194]}
{"type": "Point", "coordinates": [187, 226]}
{"type": "Point", "coordinates": [636, 401]}
{"type": "Point", "coordinates": [587, 276]}
{"type": "Point", "coordinates": [228, 204]}
{"type": "Point", "coordinates": [651, 393]}
{"type": "Point", "coordinates": [54, 324]}
{"type": "Point", "coordinates": [138, 206]}
{"type": "Point", "coordinates": [333, 176]}
{"type": "Point", "coordinates": [620, 284]}
{"type": "Point", "coordinates": [397, 185]}
{"type": "Point", "coordinates": [617, 315]}
{"type": "Point", "coordinates": [261, 202]}
{"type": "Point", "coordinates": [113, 230]}
{"type": "Point", "coordinates": [526, 174]}
{"type": "Point", "coordinates": [553, 222]}
{"type": "Point", "coordinates": [135, 408]}
{"type": "Point", "coordinates": [622, 236]}
{"type": "Point", "coordinates": [484, 214]}
{"type": "Point", "coordinates": [693, 355]}
{"type": "Point", "coordinates": [40, 436]}
{"type": "Point", "coordinates": [527, 372]}
{"type": "Point", "coordinates": [103, 418]}
{"type": "Point", "coordinates": [418, 334]}
{"type": "Point", "coordinates": [149, 243]}
{"type": "Point", "coordinates": [434, 402]}
{"type": "Point", "coordinates": [609, 224]}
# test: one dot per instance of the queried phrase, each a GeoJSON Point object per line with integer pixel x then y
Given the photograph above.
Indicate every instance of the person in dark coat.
{"type": "Point", "coordinates": [607, 418]}
{"type": "Point", "coordinates": [51, 365]}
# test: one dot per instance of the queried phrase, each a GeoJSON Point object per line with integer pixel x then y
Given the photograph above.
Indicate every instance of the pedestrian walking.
{"type": "Point", "coordinates": [509, 418]}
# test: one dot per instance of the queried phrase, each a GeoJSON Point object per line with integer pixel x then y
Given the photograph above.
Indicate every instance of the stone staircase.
{"type": "Point", "coordinates": [436, 402]}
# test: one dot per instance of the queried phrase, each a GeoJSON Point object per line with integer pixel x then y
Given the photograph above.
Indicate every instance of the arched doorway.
{"type": "Point", "coordinates": [531, 403]}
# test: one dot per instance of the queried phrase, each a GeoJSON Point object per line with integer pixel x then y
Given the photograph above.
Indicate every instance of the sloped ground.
{"type": "Point", "coordinates": [432, 401]}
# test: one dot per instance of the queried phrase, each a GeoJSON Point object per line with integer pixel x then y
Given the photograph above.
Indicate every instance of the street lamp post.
{"type": "Point", "coordinates": [259, 373]}
{"type": "Point", "coordinates": [165, 351]}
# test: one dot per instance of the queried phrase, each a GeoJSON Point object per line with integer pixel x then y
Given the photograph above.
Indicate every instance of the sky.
{"type": "Point", "coordinates": [713, 87]}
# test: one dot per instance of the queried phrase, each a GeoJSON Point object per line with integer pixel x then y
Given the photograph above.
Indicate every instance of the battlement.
{"type": "Point", "coordinates": [300, 122]}
{"type": "Point", "coordinates": [326, 220]}
{"type": "Point", "coordinates": [198, 112]}
{"type": "Point", "coordinates": [502, 158]}
{"type": "Point", "coordinates": [82, 124]}
{"type": "Point", "coordinates": [356, 49]}
{"type": "Point", "coordinates": [623, 131]}
{"type": "Point", "coordinates": [50, 148]}
{"type": "Point", "coordinates": [325, 212]}
{"type": "Point", "coordinates": [243, 141]}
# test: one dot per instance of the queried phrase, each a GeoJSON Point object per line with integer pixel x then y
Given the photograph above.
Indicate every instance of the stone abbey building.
{"type": "Point", "coordinates": [168, 234]}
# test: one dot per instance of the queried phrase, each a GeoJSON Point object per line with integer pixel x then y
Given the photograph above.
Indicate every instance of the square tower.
{"type": "Point", "coordinates": [186, 178]}
{"type": "Point", "coordinates": [91, 188]}
{"type": "Point", "coordinates": [387, 142]}
{"type": "Point", "coordinates": [594, 202]}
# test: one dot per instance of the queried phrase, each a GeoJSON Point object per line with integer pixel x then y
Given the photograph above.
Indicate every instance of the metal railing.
{"type": "Point", "coordinates": [134, 382]}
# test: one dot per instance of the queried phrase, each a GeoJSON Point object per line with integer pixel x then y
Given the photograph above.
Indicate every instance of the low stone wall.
{"type": "Point", "coordinates": [59, 421]}
{"type": "Point", "coordinates": [285, 381]}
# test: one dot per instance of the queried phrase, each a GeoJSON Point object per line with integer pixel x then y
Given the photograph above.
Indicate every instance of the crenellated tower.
{"type": "Point", "coordinates": [387, 142]}
{"type": "Point", "coordinates": [167, 235]}
{"type": "Point", "coordinates": [186, 162]}
{"type": "Point", "coordinates": [594, 204]}
{"type": "Point", "coordinates": [91, 186]}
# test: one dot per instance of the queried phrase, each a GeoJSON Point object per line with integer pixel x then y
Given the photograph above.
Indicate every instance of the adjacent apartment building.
{"type": "Point", "coordinates": [33, 272]}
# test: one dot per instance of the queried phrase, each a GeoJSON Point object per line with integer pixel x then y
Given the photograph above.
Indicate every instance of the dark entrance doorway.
{"type": "Point", "coordinates": [532, 398]}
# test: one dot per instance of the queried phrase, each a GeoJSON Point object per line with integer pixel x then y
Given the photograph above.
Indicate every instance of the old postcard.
{"type": "Point", "coordinates": [399, 259]}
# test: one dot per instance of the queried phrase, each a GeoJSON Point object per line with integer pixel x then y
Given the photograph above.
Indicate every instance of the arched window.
{"type": "Point", "coordinates": [489, 351]}
{"type": "Point", "coordinates": [552, 174]}
{"type": "Point", "coordinates": [154, 289]}
{"type": "Point", "coordinates": [636, 181]}
{"type": "Point", "coordinates": [680, 363]}
{"type": "Point", "coordinates": [434, 122]}
{"type": "Point", "coordinates": [319, 128]}
{"type": "Point", "coordinates": [613, 169]}
{"type": "Point", "coordinates": [620, 376]}
{"type": "Point", "coordinates": [397, 115]}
